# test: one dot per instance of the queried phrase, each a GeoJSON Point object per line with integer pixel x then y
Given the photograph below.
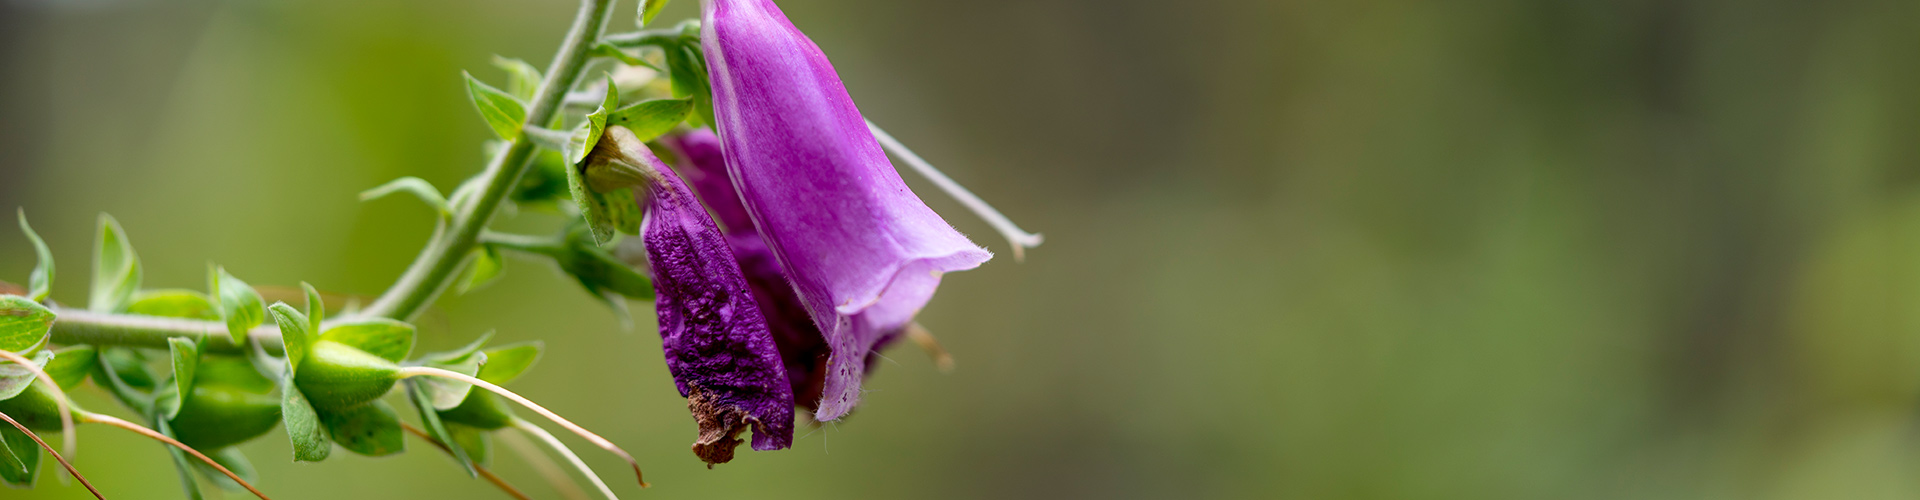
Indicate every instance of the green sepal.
{"type": "Point", "coordinates": [381, 337]}
{"type": "Point", "coordinates": [239, 305]}
{"type": "Point", "coordinates": [482, 410]}
{"type": "Point", "coordinates": [546, 181]}
{"type": "Point", "coordinates": [14, 379]}
{"type": "Point", "coordinates": [36, 407]}
{"type": "Point", "coordinates": [446, 394]}
{"type": "Point", "coordinates": [477, 443]}
{"type": "Point", "coordinates": [430, 418]}
{"type": "Point", "coordinates": [689, 74]}
{"type": "Point", "coordinates": [316, 309]}
{"type": "Point", "coordinates": [610, 51]}
{"type": "Point", "coordinates": [181, 465]}
{"type": "Point", "coordinates": [40, 283]}
{"type": "Point", "coordinates": [507, 362]}
{"type": "Point", "coordinates": [123, 372]}
{"type": "Point", "coordinates": [186, 359]}
{"type": "Point", "coordinates": [230, 404]}
{"type": "Point", "coordinates": [310, 443]}
{"type": "Point", "coordinates": [20, 459]}
{"type": "Point", "coordinates": [651, 119]}
{"type": "Point", "coordinates": [24, 324]}
{"type": "Point", "coordinates": [335, 376]}
{"type": "Point", "coordinates": [588, 133]}
{"type": "Point", "coordinates": [233, 460]}
{"type": "Point", "coordinates": [295, 338]}
{"type": "Point", "coordinates": [70, 365]}
{"type": "Point", "coordinates": [415, 186]}
{"type": "Point", "coordinates": [504, 113]}
{"type": "Point", "coordinates": [116, 268]}
{"type": "Point", "coordinates": [486, 267]}
{"type": "Point", "coordinates": [523, 80]}
{"type": "Point", "coordinates": [649, 9]}
{"type": "Point", "coordinates": [599, 271]}
{"type": "Point", "coordinates": [186, 304]}
{"type": "Point", "coordinates": [371, 429]}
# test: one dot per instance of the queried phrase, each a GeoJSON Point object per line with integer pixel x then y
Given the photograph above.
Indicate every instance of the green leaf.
{"type": "Point", "coordinates": [415, 186]}
{"type": "Point", "coordinates": [187, 304]}
{"type": "Point", "coordinates": [689, 75]}
{"type": "Point", "coordinates": [593, 208]}
{"type": "Point", "coordinates": [21, 464]}
{"type": "Point", "coordinates": [608, 50]}
{"type": "Point", "coordinates": [651, 119]}
{"type": "Point", "coordinates": [310, 443]}
{"type": "Point", "coordinates": [40, 283]}
{"type": "Point", "coordinates": [649, 9]}
{"type": "Point", "coordinates": [24, 324]}
{"type": "Point", "coordinates": [507, 362]}
{"type": "Point", "coordinates": [429, 418]}
{"type": "Point", "coordinates": [446, 394]}
{"type": "Point", "coordinates": [504, 114]}
{"type": "Point", "coordinates": [239, 305]}
{"type": "Point", "coordinates": [116, 269]}
{"type": "Point", "coordinates": [523, 80]}
{"type": "Point", "coordinates": [71, 365]}
{"type": "Point", "coordinates": [486, 267]}
{"type": "Point", "coordinates": [476, 442]}
{"type": "Point", "coordinates": [381, 337]}
{"type": "Point", "coordinates": [181, 465]}
{"type": "Point", "coordinates": [316, 309]}
{"type": "Point", "coordinates": [186, 359]}
{"type": "Point", "coordinates": [371, 429]}
{"type": "Point", "coordinates": [295, 338]}
{"type": "Point", "coordinates": [588, 133]}
{"type": "Point", "coordinates": [233, 460]}
{"type": "Point", "coordinates": [15, 379]}
{"type": "Point", "coordinates": [600, 272]}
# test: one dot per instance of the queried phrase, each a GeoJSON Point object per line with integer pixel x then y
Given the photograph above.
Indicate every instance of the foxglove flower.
{"type": "Point", "coordinates": [862, 251]}
{"type": "Point", "coordinates": [802, 348]}
{"type": "Point", "coordinates": [717, 345]}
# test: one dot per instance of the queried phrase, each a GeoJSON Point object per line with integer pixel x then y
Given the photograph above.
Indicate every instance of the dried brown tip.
{"type": "Point", "coordinates": [924, 338]}
{"type": "Point", "coordinates": [720, 427]}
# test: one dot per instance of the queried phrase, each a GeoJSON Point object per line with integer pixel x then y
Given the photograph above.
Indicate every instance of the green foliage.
{"type": "Point", "coordinates": [234, 461]}
{"type": "Point", "coordinates": [335, 376]}
{"type": "Point", "coordinates": [651, 119]}
{"type": "Point", "coordinates": [688, 70]}
{"type": "Point", "coordinates": [24, 324]}
{"type": "Point", "coordinates": [15, 379]}
{"type": "Point", "coordinates": [600, 272]}
{"type": "Point", "coordinates": [310, 443]}
{"type": "Point", "coordinates": [40, 283]}
{"type": "Point", "coordinates": [187, 304]}
{"type": "Point", "coordinates": [523, 80]}
{"type": "Point", "coordinates": [316, 309]}
{"type": "Point", "coordinates": [381, 337]}
{"type": "Point", "coordinates": [295, 337]}
{"type": "Point", "coordinates": [649, 9]}
{"type": "Point", "coordinates": [19, 457]}
{"type": "Point", "coordinates": [606, 212]}
{"type": "Point", "coordinates": [485, 267]}
{"type": "Point", "coordinates": [507, 362]}
{"type": "Point", "coordinates": [116, 269]}
{"type": "Point", "coordinates": [505, 114]}
{"type": "Point", "coordinates": [181, 464]}
{"type": "Point", "coordinates": [370, 429]}
{"type": "Point", "coordinates": [186, 359]}
{"type": "Point", "coordinates": [230, 403]}
{"type": "Point", "coordinates": [446, 394]}
{"type": "Point", "coordinates": [70, 365]}
{"type": "Point", "coordinates": [415, 186]}
{"type": "Point", "coordinates": [430, 419]}
{"type": "Point", "coordinates": [36, 407]}
{"type": "Point", "coordinates": [239, 305]}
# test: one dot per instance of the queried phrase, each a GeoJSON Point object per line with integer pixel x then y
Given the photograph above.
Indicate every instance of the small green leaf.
{"type": "Point", "coordinates": [523, 80]}
{"type": "Point", "coordinates": [24, 324]}
{"type": "Point", "coordinates": [446, 394]}
{"type": "Point", "coordinates": [593, 208]}
{"type": "Point", "coordinates": [316, 309]}
{"type": "Point", "coordinates": [186, 304]}
{"type": "Point", "coordinates": [608, 50]}
{"type": "Point", "coordinates": [371, 429]}
{"type": "Point", "coordinates": [181, 465]}
{"type": "Point", "coordinates": [14, 379]}
{"type": "Point", "coordinates": [310, 442]}
{"type": "Point", "coordinates": [381, 337]}
{"type": "Point", "coordinates": [186, 358]}
{"type": "Point", "coordinates": [588, 133]}
{"type": "Point", "coordinates": [477, 443]}
{"type": "Point", "coordinates": [40, 283]}
{"type": "Point", "coordinates": [233, 460]}
{"type": "Point", "coordinates": [504, 114]}
{"type": "Point", "coordinates": [486, 267]}
{"type": "Point", "coordinates": [600, 272]}
{"type": "Point", "coordinates": [689, 76]}
{"type": "Point", "coordinates": [415, 186]}
{"type": "Point", "coordinates": [21, 465]}
{"type": "Point", "coordinates": [116, 269]}
{"type": "Point", "coordinates": [651, 119]}
{"type": "Point", "coordinates": [240, 306]}
{"type": "Point", "coordinates": [70, 365]}
{"type": "Point", "coordinates": [429, 418]}
{"type": "Point", "coordinates": [295, 338]}
{"type": "Point", "coordinates": [649, 9]}
{"type": "Point", "coordinates": [507, 362]}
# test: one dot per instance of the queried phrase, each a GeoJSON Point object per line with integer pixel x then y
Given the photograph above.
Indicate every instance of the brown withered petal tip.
{"type": "Point", "coordinates": [720, 427]}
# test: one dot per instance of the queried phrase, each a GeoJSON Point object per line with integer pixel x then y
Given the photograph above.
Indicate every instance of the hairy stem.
{"type": "Point", "coordinates": [56, 455]}
{"type": "Point", "coordinates": [565, 452]}
{"type": "Point", "coordinates": [603, 443]}
{"type": "Point", "coordinates": [67, 440]}
{"type": "Point", "coordinates": [96, 418]}
{"type": "Point", "coordinates": [445, 255]}
{"type": "Point", "coordinates": [482, 470]}
{"type": "Point", "coordinates": [80, 326]}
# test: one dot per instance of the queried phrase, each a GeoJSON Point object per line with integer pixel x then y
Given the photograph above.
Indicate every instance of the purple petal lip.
{"type": "Point", "coordinates": [862, 251]}
{"type": "Point", "coordinates": [717, 343]}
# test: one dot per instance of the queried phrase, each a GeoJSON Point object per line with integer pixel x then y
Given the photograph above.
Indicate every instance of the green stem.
{"type": "Point", "coordinates": [645, 38]}
{"type": "Point", "coordinates": [444, 256]}
{"type": "Point", "coordinates": [79, 326]}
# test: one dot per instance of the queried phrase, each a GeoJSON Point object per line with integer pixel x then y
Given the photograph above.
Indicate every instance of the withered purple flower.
{"type": "Point", "coordinates": [862, 251]}
{"type": "Point", "coordinates": [717, 345]}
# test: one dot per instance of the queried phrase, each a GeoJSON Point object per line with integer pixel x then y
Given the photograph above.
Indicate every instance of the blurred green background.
{"type": "Point", "coordinates": [1295, 249]}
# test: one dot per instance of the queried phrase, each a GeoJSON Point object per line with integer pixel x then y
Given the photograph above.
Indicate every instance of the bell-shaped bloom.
{"type": "Point", "coordinates": [862, 251]}
{"type": "Point", "coordinates": [722, 356]}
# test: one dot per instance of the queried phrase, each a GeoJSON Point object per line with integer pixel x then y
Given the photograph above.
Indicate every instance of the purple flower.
{"type": "Point", "coordinates": [722, 356]}
{"type": "Point", "coordinates": [862, 251]}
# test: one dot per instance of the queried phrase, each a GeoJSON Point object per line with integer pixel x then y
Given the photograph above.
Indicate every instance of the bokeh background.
{"type": "Point", "coordinates": [1361, 249]}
